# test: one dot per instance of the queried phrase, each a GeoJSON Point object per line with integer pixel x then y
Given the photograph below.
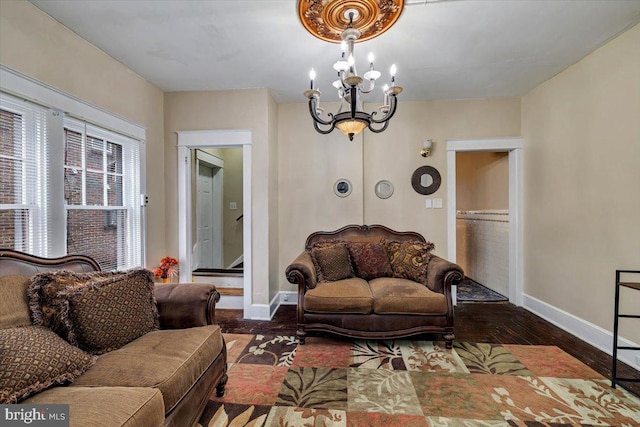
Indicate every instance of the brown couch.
{"type": "Point", "coordinates": [380, 308]}
{"type": "Point", "coordinates": [161, 378]}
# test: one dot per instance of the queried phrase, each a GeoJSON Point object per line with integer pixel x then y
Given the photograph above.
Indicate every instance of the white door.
{"type": "Point", "coordinates": [205, 216]}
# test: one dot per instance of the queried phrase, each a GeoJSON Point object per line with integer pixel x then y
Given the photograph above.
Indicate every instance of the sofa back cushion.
{"type": "Point", "coordinates": [409, 260]}
{"type": "Point", "coordinates": [332, 262]}
{"type": "Point", "coordinates": [370, 260]}
{"type": "Point", "coordinates": [14, 308]}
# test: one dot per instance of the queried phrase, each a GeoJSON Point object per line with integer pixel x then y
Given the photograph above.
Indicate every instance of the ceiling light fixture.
{"type": "Point", "coordinates": [363, 19]}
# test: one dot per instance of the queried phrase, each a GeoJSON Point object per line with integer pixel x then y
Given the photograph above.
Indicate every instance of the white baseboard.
{"type": "Point", "coordinates": [288, 297]}
{"type": "Point", "coordinates": [260, 312]}
{"type": "Point", "coordinates": [586, 331]}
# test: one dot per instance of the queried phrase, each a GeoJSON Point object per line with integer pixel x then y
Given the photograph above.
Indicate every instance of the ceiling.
{"type": "Point", "coordinates": [444, 49]}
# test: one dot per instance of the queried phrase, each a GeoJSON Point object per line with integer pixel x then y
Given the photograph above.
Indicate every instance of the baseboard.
{"type": "Point", "coordinates": [260, 312]}
{"type": "Point", "coordinates": [586, 331]}
{"type": "Point", "coordinates": [230, 302]}
{"type": "Point", "coordinates": [288, 298]}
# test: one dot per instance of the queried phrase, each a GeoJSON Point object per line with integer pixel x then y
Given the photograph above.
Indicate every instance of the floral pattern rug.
{"type": "Point", "coordinates": [273, 381]}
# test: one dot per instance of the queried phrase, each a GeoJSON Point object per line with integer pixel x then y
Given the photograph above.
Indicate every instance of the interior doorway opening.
{"type": "Point", "coordinates": [189, 142]}
{"type": "Point", "coordinates": [512, 146]}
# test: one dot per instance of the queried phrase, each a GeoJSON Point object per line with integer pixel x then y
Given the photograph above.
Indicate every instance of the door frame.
{"type": "Point", "coordinates": [514, 147]}
{"type": "Point", "coordinates": [202, 157]}
{"type": "Point", "coordinates": [232, 138]}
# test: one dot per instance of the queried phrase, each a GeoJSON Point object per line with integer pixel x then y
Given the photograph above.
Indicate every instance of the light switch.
{"type": "Point", "coordinates": [437, 203]}
{"type": "Point", "coordinates": [428, 204]}
{"type": "Point", "coordinates": [233, 206]}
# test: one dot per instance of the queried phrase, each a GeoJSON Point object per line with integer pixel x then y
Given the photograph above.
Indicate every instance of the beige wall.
{"type": "Point", "coordinates": [34, 44]}
{"type": "Point", "coordinates": [582, 182]}
{"type": "Point", "coordinates": [310, 163]}
{"type": "Point", "coordinates": [241, 109]}
{"type": "Point", "coordinates": [274, 209]}
{"type": "Point", "coordinates": [482, 180]}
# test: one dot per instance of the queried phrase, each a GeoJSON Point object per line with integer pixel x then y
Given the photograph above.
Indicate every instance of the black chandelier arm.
{"type": "Point", "coordinates": [314, 114]}
{"type": "Point", "coordinates": [392, 111]}
{"type": "Point", "coordinates": [324, 131]}
{"type": "Point", "coordinates": [372, 129]}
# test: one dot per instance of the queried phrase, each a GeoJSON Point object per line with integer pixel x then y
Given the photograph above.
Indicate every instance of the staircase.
{"type": "Point", "coordinates": [230, 284]}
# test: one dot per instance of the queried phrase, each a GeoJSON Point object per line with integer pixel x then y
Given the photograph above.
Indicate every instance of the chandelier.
{"type": "Point", "coordinates": [360, 20]}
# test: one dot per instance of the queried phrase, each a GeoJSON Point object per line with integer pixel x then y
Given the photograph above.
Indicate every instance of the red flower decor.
{"type": "Point", "coordinates": [168, 268]}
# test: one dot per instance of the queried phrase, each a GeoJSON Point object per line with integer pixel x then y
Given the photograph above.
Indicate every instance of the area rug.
{"type": "Point", "coordinates": [472, 291]}
{"type": "Point", "coordinates": [274, 381]}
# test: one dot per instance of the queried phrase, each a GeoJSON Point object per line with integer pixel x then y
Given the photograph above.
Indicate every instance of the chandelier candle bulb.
{"type": "Point", "coordinates": [312, 76]}
{"type": "Point", "coordinates": [393, 71]}
{"type": "Point", "coordinates": [370, 58]}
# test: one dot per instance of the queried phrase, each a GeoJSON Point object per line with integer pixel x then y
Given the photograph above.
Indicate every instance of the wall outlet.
{"type": "Point", "coordinates": [638, 361]}
{"type": "Point", "coordinates": [285, 297]}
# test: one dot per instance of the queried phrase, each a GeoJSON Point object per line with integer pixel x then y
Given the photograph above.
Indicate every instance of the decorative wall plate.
{"type": "Point", "coordinates": [326, 19]}
{"type": "Point", "coordinates": [426, 180]}
{"type": "Point", "coordinates": [384, 189]}
{"type": "Point", "coordinates": [342, 187]}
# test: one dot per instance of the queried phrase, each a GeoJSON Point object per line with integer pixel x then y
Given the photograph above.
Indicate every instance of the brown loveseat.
{"type": "Point", "coordinates": [164, 377]}
{"type": "Point", "coordinates": [409, 296]}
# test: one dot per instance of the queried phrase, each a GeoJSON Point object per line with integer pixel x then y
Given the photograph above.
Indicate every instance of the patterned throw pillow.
{"type": "Point", "coordinates": [33, 358]}
{"type": "Point", "coordinates": [409, 260]}
{"type": "Point", "coordinates": [332, 262]}
{"type": "Point", "coordinates": [370, 260]}
{"type": "Point", "coordinates": [107, 314]}
{"type": "Point", "coordinates": [44, 302]}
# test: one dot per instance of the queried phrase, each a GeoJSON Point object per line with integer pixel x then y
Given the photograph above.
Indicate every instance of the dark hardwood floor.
{"type": "Point", "coordinates": [497, 323]}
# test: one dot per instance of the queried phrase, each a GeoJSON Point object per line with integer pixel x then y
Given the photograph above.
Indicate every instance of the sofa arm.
{"type": "Point", "coordinates": [441, 274]}
{"type": "Point", "coordinates": [186, 305]}
{"type": "Point", "coordinates": [302, 271]}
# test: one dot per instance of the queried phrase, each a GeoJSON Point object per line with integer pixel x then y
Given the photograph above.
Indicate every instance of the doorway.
{"type": "Point", "coordinates": [213, 139]}
{"type": "Point", "coordinates": [512, 146]}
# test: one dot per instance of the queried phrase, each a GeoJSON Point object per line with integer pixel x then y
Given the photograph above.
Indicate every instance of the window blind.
{"type": "Point", "coordinates": [23, 151]}
{"type": "Point", "coordinates": [102, 195]}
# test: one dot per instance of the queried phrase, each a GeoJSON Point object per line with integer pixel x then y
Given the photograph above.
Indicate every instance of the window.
{"type": "Point", "coordinates": [99, 180]}
{"type": "Point", "coordinates": [22, 149]}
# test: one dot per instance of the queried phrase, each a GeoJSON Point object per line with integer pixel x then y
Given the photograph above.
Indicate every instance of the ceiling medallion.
{"type": "Point", "coordinates": [326, 19]}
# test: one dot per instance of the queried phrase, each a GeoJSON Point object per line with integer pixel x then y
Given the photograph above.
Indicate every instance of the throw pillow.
{"type": "Point", "coordinates": [409, 260]}
{"type": "Point", "coordinates": [33, 358]}
{"type": "Point", "coordinates": [44, 302]}
{"type": "Point", "coordinates": [332, 262]}
{"type": "Point", "coordinates": [107, 314]}
{"type": "Point", "coordinates": [370, 260]}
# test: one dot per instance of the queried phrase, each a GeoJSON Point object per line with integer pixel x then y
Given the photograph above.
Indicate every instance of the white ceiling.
{"type": "Point", "coordinates": [447, 49]}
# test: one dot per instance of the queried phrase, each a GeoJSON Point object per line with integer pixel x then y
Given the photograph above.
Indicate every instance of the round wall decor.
{"type": "Point", "coordinates": [384, 189]}
{"type": "Point", "coordinates": [342, 187]}
{"type": "Point", "coordinates": [426, 180]}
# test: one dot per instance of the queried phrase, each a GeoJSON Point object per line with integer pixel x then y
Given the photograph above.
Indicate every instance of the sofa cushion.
{"type": "Point", "coordinates": [33, 358]}
{"type": "Point", "coordinates": [409, 259]}
{"type": "Point", "coordinates": [43, 293]}
{"type": "Point", "coordinates": [401, 296]}
{"type": "Point", "coordinates": [104, 315]}
{"type": "Point", "coordinates": [14, 306]}
{"type": "Point", "coordinates": [169, 360]}
{"type": "Point", "coordinates": [113, 406]}
{"type": "Point", "coordinates": [332, 262]}
{"type": "Point", "coordinates": [343, 296]}
{"type": "Point", "coordinates": [370, 260]}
